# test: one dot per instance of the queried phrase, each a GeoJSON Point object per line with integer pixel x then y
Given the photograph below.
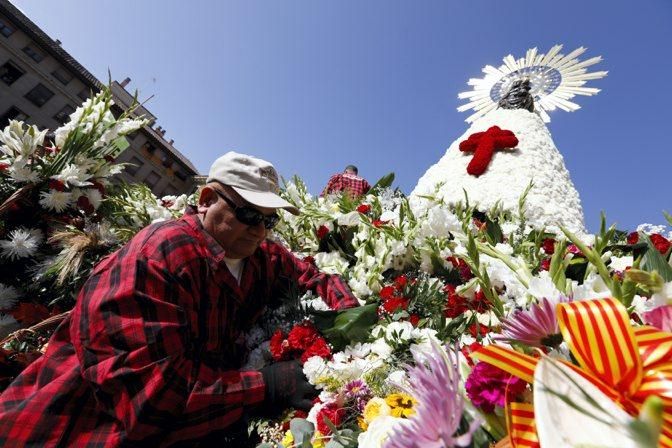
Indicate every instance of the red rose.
{"type": "Point", "coordinates": [279, 346]}
{"type": "Point", "coordinates": [322, 232]}
{"type": "Point", "coordinates": [57, 185]}
{"type": "Point", "coordinates": [318, 348]}
{"type": "Point", "coordinates": [302, 336]}
{"type": "Point", "coordinates": [660, 242]}
{"type": "Point", "coordinates": [549, 246]}
{"type": "Point", "coordinates": [400, 282]}
{"type": "Point", "coordinates": [364, 208]}
{"type": "Point", "coordinates": [387, 292]}
{"type": "Point", "coordinates": [332, 412]}
{"type": "Point", "coordinates": [633, 238]}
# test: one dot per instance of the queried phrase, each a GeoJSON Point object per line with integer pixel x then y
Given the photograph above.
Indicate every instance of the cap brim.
{"type": "Point", "coordinates": [266, 199]}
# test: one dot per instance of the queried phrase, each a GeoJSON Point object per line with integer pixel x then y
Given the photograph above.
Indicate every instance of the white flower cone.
{"type": "Point", "coordinates": [551, 202]}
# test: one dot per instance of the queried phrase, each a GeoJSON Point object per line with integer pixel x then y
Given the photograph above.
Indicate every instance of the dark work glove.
{"type": "Point", "coordinates": [287, 386]}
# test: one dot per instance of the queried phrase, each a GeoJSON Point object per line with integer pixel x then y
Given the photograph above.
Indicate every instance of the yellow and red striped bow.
{"type": "Point", "coordinates": [627, 364]}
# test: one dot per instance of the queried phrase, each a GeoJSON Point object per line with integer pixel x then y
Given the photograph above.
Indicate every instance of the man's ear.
{"type": "Point", "coordinates": [206, 199]}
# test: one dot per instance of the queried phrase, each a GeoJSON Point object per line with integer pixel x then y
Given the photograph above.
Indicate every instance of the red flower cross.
{"type": "Point", "coordinates": [483, 144]}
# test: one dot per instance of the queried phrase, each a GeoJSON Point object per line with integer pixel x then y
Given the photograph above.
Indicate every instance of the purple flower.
{"type": "Point", "coordinates": [535, 327]}
{"type": "Point", "coordinates": [434, 382]}
{"type": "Point", "coordinates": [357, 391]}
{"type": "Point", "coordinates": [487, 386]}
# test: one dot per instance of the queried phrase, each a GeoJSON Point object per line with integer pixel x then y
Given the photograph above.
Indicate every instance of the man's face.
{"type": "Point", "coordinates": [237, 239]}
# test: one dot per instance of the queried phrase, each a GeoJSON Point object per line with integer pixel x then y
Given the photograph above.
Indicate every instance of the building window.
{"type": "Point", "coordinates": [84, 94]}
{"type": "Point", "coordinates": [62, 75]}
{"type": "Point", "coordinates": [63, 114]}
{"type": "Point", "coordinates": [180, 174]}
{"type": "Point", "coordinates": [134, 166]}
{"type": "Point", "coordinates": [166, 160]}
{"type": "Point", "coordinates": [149, 148]}
{"type": "Point", "coordinates": [10, 73]}
{"type": "Point", "coordinates": [152, 179]}
{"type": "Point", "coordinates": [5, 29]}
{"type": "Point", "coordinates": [12, 114]}
{"type": "Point", "coordinates": [39, 95]}
{"type": "Point", "coordinates": [33, 53]}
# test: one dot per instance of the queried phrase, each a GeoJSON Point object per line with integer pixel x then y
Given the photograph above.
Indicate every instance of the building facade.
{"type": "Point", "coordinates": [41, 84]}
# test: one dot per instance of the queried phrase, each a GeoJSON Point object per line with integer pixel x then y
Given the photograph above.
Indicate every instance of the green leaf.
{"type": "Point", "coordinates": [302, 431]}
{"type": "Point", "coordinates": [653, 261]}
{"type": "Point", "coordinates": [345, 326]}
{"type": "Point", "coordinates": [493, 231]}
{"type": "Point", "coordinates": [382, 183]}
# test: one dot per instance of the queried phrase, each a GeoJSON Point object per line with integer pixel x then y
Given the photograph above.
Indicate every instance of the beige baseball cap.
{"type": "Point", "coordinates": [254, 179]}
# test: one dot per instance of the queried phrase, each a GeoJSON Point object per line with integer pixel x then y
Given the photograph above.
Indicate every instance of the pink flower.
{"type": "Point", "coordinates": [535, 327]}
{"type": "Point", "coordinates": [660, 317]}
{"type": "Point", "coordinates": [487, 386]}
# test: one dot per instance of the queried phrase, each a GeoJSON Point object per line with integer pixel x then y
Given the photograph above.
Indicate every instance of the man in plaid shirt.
{"type": "Point", "coordinates": [149, 355]}
{"type": "Point", "coordinates": [349, 182]}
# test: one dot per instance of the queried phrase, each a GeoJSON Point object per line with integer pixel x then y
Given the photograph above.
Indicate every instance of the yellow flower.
{"type": "Point", "coordinates": [318, 440]}
{"type": "Point", "coordinates": [375, 408]}
{"type": "Point", "coordinates": [401, 405]}
{"type": "Point", "coordinates": [288, 440]}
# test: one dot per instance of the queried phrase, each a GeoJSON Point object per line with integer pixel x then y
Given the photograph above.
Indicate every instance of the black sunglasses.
{"type": "Point", "coordinates": [249, 215]}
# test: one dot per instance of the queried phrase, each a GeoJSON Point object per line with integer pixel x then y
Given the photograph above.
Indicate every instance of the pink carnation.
{"type": "Point", "coordinates": [487, 384]}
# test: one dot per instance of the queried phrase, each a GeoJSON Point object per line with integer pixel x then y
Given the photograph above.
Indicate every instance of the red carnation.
{"type": "Point", "coordinates": [332, 412]}
{"type": "Point", "coordinates": [480, 303]}
{"type": "Point", "coordinates": [57, 185]}
{"type": "Point", "coordinates": [279, 346]}
{"type": "Point", "coordinates": [545, 264]}
{"type": "Point", "coordinates": [456, 304]}
{"type": "Point", "coordinates": [572, 249]}
{"type": "Point", "coordinates": [477, 329]}
{"type": "Point", "coordinates": [414, 319]}
{"type": "Point", "coordinates": [633, 238]}
{"type": "Point", "coordinates": [386, 292]}
{"type": "Point", "coordinates": [400, 282]}
{"type": "Point", "coordinates": [395, 304]}
{"type": "Point", "coordinates": [548, 246]}
{"type": "Point", "coordinates": [468, 350]}
{"type": "Point", "coordinates": [660, 243]}
{"type": "Point", "coordinates": [364, 208]}
{"type": "Point", "coordinates": [488, 386]}
{"type": "Point", "coordinates": [302, 336]}
{"type": "Point", "coordinates": [322, 232]}
{"type": "Point", "coordinates": [377, 223]}
{"type": "Point", "coordinates": [4, 166]}
{"type": "Point", "coordinates": [318, 348]}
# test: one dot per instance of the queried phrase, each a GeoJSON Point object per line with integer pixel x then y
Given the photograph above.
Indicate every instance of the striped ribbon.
{"type": "Point", "coordinates": [627, 364]}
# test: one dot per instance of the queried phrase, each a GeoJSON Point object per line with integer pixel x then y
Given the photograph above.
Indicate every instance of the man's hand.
{"type": "Point", "coordinates": [287, 386]}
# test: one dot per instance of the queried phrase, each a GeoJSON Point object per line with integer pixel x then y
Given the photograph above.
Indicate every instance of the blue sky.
{"type": "Point", "coordinates": [314, 85]}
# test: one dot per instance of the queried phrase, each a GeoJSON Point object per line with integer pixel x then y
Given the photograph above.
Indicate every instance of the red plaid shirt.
{"type": "Point", "coordinates": [148, 353]}
{"type": "Point", "coordinates": [351, 183]}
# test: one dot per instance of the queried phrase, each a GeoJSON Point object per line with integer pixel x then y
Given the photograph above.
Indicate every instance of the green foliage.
{"type": "Point", "coordinates": [346, 326]}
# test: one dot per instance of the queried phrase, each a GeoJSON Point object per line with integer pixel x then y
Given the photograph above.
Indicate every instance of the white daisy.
{"type": "Point", "coordinates": [8, 325]}
{"type": "Point", "coordinates": [55, 200]}
{"type": "Point", "coordinates": [9, 295]}
{"type": "Point", "coordinates": [22, 243]}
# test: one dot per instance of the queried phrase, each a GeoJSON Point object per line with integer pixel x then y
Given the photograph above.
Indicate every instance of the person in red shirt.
{"type": "Point", "coordinates": [349, 182]}
{"type": "Point", "coordinates": [150, 355]}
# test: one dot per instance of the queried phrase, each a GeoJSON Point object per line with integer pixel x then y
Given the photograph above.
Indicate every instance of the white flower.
{"type": "Point", "coordinates": [381, 348]}
{"type": "Point", "coordinates": [664, 296]}
{"type": "Point", "coordinates": [541, 286]}
{"type": "Point", "coordinates": [399, 331]}
{"type": "Point", "coordinates": [620, 263]}
{"type": "Point", "coordinates": [314, 368]}
{"type": "Point", "coordinates": [508, 228]}
{"type": "Point", "coordinates": [22, 243]}
{"type": "Point", "coordinates": [378, 431]}
{"type": "Point", "coordinates": [349, 219]}
{"type": "Point", "coordinates": [55, 200]}
{"type": "Point", "coordinates": [439, 222]}
{"type": "Point", "coordinates": [94, 197]}
{"type": "Point", "coordinates": [331, 262]}
{"type": "Point", "coordinates": [359, 287]}
{"type": "Point", "coordinates": [20, 142]}
{"type": "Point", "coordinates": [9, 295]}
{"type": "Point", "coordinates": [358, 350]}
{"type": "Point", "coordinates": [73, 175]}
{"type": "Point", "coordinates": [20, 171]}
{"type": "Point", "coordinates": [593, 287]}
